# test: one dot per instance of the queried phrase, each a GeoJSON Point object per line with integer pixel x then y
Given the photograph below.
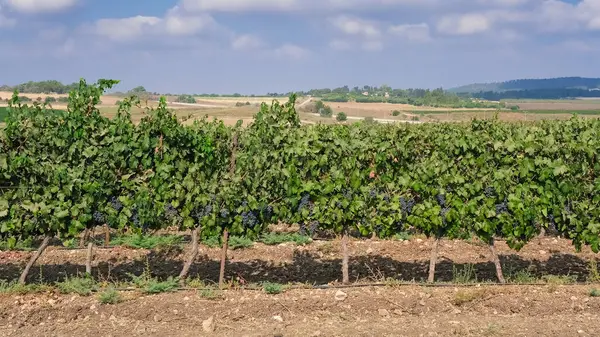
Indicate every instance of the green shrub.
{"type": "Point", "coordinates": [49, 99]}
{"type": "Point", "coordinates": [83, 286]}
{"type": "Point", "coordinates": [396, 113]}
{"type": "Point", "coordinates": [273, 288]}
{"type": "Point", "coordinates": [110, 296]}
{"type": "Point", "coordinates": [239, 242]}
{"type": "Point", "coordinates": [341, 117]}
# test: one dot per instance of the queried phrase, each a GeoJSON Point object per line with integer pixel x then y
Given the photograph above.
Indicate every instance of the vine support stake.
{"type": "Point", "coordinates": [106, 236]}
{"type": "Point", "coordinates": [191, 258]}
{"type": "Point", "coordinates": [223, 258]}
{"type": "Point", "coordinates": [433, 259]}
{"type": "Point", "coordinates": [84, 237]}
{"type": "Point", "coordinates": [89, 257]}
{"type": "Point", "coordinates": [496, 261]}
{"type": "Point", "coordinates": [345, 258]}
{"type": "Point", "coordinates": [34, 258]}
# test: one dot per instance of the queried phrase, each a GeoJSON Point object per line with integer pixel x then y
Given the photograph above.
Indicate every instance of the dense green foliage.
{"type": "Point", "coordinates": [3, 113]}
{"type": "Point", "coordinates": [531, 84]}
{"type": "Point", "coordinates": [63, 172]}
{"type": "Point", "coordinates": [385, 94]}
{"type": "Point", "coordinates": [50, 86]}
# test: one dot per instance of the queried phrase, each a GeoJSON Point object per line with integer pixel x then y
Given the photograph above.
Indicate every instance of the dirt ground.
{"type": "Point", "coordinates": [551, 309]}
{"type": "Point", "coordinates": [369, 311]}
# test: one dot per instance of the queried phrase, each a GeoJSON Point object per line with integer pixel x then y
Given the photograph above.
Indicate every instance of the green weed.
{"type": "Point", "coordinates": [272, 239]}
{"type": "Point", "coordinates": [559, 279]}
{"type": "Point", "coordinates": [273, 288]}
{"type": "Point", "coordinates": [110, 296]}
{"type": "Point", "coordinates": [139, 241]}
{"type": "Point", "coordinates": [239, 242]}
{"type": "Point", "coordinates": [594, 293]}
{"type": "Point", "coordinates": [83, 286]}
{"type": "Point", "coordinates": [466, 274]}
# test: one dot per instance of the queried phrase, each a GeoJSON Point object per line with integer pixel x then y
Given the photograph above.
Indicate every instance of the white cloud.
{"type": "Point", "coordinates": [125, 29]}
{"type": "Point", "coordinates": [412, 32]}
{"type": "Point", "coordinates": [174, 23]}
{"type": "Point", "coordinates": [239, 5]}
{"type": "Point", "coordinates": [292, 51]}
{"type": "Point", "coordinates": [40, 6]}
{"type": "Point", "coordinates": [466, 24]}
{"type": "Point", "coordinates": [177, 22]}
{"type": "Point", "coordinates": [247, 42]}
{"type": "Point", "coordinates": [356, 26]}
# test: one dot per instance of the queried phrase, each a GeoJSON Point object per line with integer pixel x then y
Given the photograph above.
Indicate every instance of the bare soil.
{"type": "Point", "coordinates": [369, 311]}
{"type": "Point", "coordinates": [413, 310]}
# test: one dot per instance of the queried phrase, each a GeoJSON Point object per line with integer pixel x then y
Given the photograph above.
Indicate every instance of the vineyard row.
{"type": "Point", "coordinates": [65, 172]}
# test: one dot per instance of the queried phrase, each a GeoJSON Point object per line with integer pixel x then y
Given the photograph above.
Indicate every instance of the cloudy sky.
{"type": "Point", "coordinates": [259, 46]}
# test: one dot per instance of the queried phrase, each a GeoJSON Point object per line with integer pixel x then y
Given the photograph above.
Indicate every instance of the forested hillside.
{"type": "Point", "coordinates": [531, 84]}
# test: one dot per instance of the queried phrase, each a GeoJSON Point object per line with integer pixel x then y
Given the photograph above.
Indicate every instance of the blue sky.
{"type": "Point", "coordinates": [259, 46]}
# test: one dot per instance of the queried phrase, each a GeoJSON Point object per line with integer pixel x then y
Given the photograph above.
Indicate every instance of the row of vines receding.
{"type": "Point", "coordinates": [63, 173]}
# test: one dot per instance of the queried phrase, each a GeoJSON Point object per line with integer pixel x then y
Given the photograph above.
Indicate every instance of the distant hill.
{"type": "Point", "coordinates": [531, 84]}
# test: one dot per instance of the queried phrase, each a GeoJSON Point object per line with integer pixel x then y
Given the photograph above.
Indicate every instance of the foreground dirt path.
{"type": "Point", "coordinates": [386, 311]}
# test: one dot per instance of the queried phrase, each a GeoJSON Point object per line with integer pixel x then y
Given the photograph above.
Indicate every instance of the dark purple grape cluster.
{"type": "Point", "coordinates": [116, 204]}
{"type": "Point", "coordinates": [373, 193]}
{"type": "Point", "coordinates": [443, 214]}
{"type": "Point", "coordinates": [502, 208]}
{"type": "Point", "coordinates": [304, 202]}
{"type": "Point", "coordinates": [489, 192]}
{"type": "Point", "coordinates": [386, 198]}
{"type": "Point", "coordinates": [135, 219]}
{"type": "Point", "coordinates": [249, 220]}
{"type": "Point", "coordinates": [309, 230]}
{"type": "Point", "coordinates": [170, 211]}
{"type": "Point", "coordinates": [267, 212]}
{"type": "Point", "coordinates": [224, 213]}
{"type": "Point", "coordinates": [441, 199]}
{"type": "Point", "coordinates": [407, 205]}
{"type": "Point", "coordinates": [99, 218]}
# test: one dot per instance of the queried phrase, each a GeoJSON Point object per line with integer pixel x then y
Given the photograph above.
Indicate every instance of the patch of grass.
{"type": "Point", "coordinates": [593, 274]}
{"type": "Point", "coordinates": [594, 292]}
{"type": "Point", "coordinates": [196, 283]}
{"type": "Point", "coordinates": [22, 289]}
{"type": "Point", "coordinates": [212, 241]}
{"type": "Point", "coordinates": [83, 286]}
{"type": "Point", "coordinates": [273, 288]}
{"type": "Point", "coordinates": [559, 279]}
{"type": "Point", "coordinates": [272, 239]}
{"type": "Point", "coordinates": [522, 277]}
{"type": "Point", "coordinates": [110, 296]}
{"type": "Point", "coordinates": [157, 287]}
{"type": "Point", "coordinates": [152, 285]}
{"type": "Point", "coordinates": [465, 296]}
{"type": "Point", "coordinates": [402, 236]}
{"type": "Point", "coordinates": [138, 241]}
{"type": "Point", "coordinates": [240, 242]}
{"type": "Point", "coordinates": [210, 294]}
{"type": "Point", "coordinates": [466, 274]}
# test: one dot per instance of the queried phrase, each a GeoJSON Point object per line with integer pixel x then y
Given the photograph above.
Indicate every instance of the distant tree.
{"type": "Point", "coordinates": [185, 99]}
{"type": "Point", "coordinates": [326, 111]}
{"type": "Point", "coordinates": [138, 89]}
{"type": "Point", "coordinates": [396, 113]}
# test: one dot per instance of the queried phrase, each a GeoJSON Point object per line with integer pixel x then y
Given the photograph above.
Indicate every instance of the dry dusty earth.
{"type": "Point", "coordinates": [369, 311]}
{"type": "Point", "coordinates": [414, 310]}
